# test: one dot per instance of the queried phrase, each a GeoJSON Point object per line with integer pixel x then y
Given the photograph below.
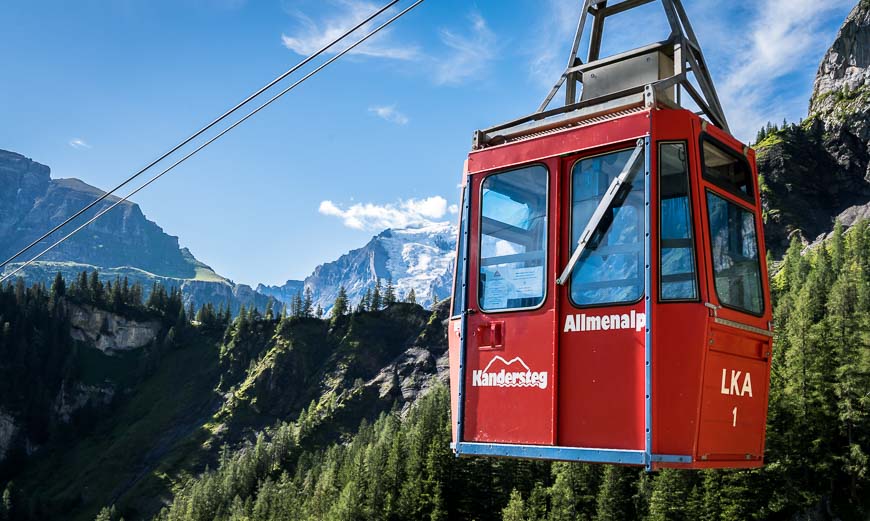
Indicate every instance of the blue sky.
{"type": "Point", "coordinates": [98, 88]}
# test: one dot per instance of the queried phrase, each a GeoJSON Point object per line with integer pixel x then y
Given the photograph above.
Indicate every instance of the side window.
{"type": "Point", "coordinates": [513, 239]}
{"type": "Point", "coordinates": [610, 270]}
{"type": "Point", "coordinates": [736, 266]}
{"type": "Point", "coordinates": [460, 263]}
{"type": "Point", "coordinates": [679, 279]}
{"type": "Point", "coordinates": [727, 170]}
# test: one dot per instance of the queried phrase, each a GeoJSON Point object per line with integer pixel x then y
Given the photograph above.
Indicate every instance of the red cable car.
{"type": "Point", "coordinates": [611, 301]}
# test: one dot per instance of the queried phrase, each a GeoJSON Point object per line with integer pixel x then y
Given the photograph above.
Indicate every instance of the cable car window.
{"type": "Point", "coordinates": [728, 170]}
{"type": "Point", "coordinates": [513, 239]}
{"type": "Point", "coordinates": [610, 270]}
{"type": "Point", "coordinates": [679, 279]}
{"type": "Point", "coordinates": [736, 267]}
{"type": "Point", "coordinates": [460, 262]}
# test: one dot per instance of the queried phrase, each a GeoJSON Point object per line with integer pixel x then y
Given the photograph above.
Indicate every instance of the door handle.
{"type": "Point", "coordinates": [490, 336]}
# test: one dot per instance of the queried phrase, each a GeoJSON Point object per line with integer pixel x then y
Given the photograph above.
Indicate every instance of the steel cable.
{"type": "Point", "coordinates": [199, 132]}
{"type": "Point", "coordinates": [210, 141]}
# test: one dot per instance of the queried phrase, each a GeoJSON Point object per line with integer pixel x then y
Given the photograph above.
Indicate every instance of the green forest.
{"type": "Point", "coordinates": [400, 467]}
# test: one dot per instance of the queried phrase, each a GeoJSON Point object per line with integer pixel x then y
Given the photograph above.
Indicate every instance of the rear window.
{"type": "Point", "coordinates": [727, 169]}
{"type": "Point", "coordinates": [736, 265]}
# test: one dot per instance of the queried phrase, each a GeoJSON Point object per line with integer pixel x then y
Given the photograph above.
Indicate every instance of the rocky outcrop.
{"type": "Point", "coordinates": [79, 396]}
{"type": "Point", "coordinates": [842, 88]}
{"type": "Point", "coordinates": [819, 171]}
{"type": "Point", "coordinates": [109, 332]}
{"type": "Point", "coordinates": [8, 433]}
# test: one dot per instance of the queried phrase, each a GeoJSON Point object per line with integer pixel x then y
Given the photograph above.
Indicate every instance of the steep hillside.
{"type": "Point", "coordinates": [122, 243]}
{"type": "Point", "coordinates": [418, 259]}
{"type": "Point", "coordinates": [819, 171]}
{"type": "Point", "coordinates": [105, 399]}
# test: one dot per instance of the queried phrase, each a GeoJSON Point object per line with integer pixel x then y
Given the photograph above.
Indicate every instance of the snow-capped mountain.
{"type": "Point", "coordinates": [419, 258]}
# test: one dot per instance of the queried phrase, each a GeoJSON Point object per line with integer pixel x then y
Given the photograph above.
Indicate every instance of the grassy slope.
{"type": "Point", "coordinates": [122, 460]}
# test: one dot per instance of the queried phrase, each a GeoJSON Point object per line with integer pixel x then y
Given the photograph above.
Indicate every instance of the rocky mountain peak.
{"type": "Point", "coordinates": [842, 86]}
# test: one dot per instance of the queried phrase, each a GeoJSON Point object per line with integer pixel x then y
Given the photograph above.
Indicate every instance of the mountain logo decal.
{"type": "Point", "coordinates": [513, 373]}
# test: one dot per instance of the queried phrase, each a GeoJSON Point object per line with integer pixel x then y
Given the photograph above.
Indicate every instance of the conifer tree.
{"type": "Point", "coordinates": [307, 303]}
{"type": "Point", "coordinates": [389, 293]}
{"type": "Point", "coordinates": [339, 307]}
{"type": "Point", "coordinates": [58, 287]}
{"type": "Point", "coordinates": [515, 509]}
{"type": "Point", "coordinates": [376, 298]}
{"type": "Point", "coordinates": [614, 496]}
{"type": "Point", "coordinates": [269, 313]}
{"type": "Point", "coordinates": [412, 297]}
{"type": "Point", "coordinates": [296, 305]}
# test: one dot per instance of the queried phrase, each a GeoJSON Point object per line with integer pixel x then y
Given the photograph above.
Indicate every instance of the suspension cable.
{"type": "Point", "coordinates": [210, 141]}
{"type": "Point", "coordinates": [200, 131]}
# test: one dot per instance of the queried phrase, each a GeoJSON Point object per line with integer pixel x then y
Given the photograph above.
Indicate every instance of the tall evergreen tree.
{"type": "Point", "coordinates": [389, 293]}
{"type": "Point", "coordinates": [307, 303]}
{"type": "Point", "coordinates": [376, 301]}
{"type": "Point", "coordinates": [339, 307]}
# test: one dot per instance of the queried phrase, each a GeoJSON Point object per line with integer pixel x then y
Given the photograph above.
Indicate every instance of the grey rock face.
{"type": "Point", "coordinates": [70, 401]}
{"type": "Point", "coordinates": [108, 332]}
{"type": "Point", "coordinates": [842, 85]}
{"type": "Point", "coordinates": [31, 203]}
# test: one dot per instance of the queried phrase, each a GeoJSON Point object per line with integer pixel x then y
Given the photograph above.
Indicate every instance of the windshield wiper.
{"type": "Point", "coordinates": [624, 178]}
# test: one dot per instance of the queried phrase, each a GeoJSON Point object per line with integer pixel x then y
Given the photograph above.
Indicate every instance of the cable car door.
{"type": "Point", "coordinates": [510, 348]}
{"type": "Point", "coordinates": [601, 345]}
{"type": "Point", "coordinates": [737, 363]}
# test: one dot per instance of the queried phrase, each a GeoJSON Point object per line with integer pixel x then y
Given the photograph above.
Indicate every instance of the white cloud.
{"type": "Point", "coordinates": [389, 113]}
{"type": "Point", "coordinates": [79, 144]}
{"type": "Point", "coordinates": [454, 209]}
{"type": "Point", "coordinates": [469, 53]}
{"type": "Point", "coordinates": [782, 36]}
{"type": "Point", "coordinates": [403, 214]}
{"type": "Point", "coordinates": [311, 35]}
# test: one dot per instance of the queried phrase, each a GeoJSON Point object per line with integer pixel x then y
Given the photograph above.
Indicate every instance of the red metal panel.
{"type": "Point", "coordinates": [601, 392]}
{"type": "Point", "coordinates": [734, 408]}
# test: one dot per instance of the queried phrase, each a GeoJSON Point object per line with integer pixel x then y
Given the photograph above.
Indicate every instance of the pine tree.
{"type": "Point", "coordinates": [339, 307]}
{"type": "Point", "coordinates": [614, 496]}
{"type": "Point", "coordinates": [318, 311]}
{"type": "Point", "coordinates": [376, 298]}
{"type": "Point", "coordinates": [515, 509]}
{"type": "Point", "coordinates": [669, 496]}
{"type": "Point", "coordinates": [58, 287]}
{"type": "Point", "coordinates": [412, 297]}
{"type": "Point", "coordinates": [307, 303]}
{"type": "Point", "coordinates": [433, 297]}
{"type": "Point", "coordinates": [296, 305]}
{"type": "Point", "coordinates": [389, 293]}
{"type": "Point", "coordinates": [269, 312]}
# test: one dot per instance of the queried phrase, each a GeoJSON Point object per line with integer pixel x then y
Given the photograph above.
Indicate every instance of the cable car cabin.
{"type": "Point", "coordinates": [611, 301]}
{"type": "Point", "coordinates": [594, 370]}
